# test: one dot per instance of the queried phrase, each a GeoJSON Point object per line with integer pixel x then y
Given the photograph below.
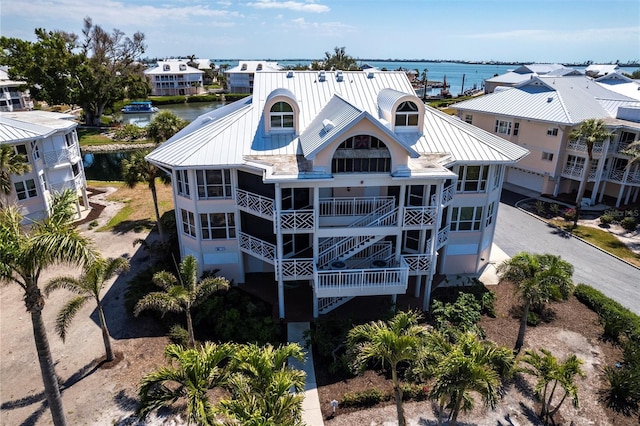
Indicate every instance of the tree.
{"type": "Point", "coordinates": [11, 163]}
{"type": "Point", "coordinates": [339, 60]}
{"type": "Point", "coordinates": [94, 72]}
{"type": "Point", "coordinates": [391, 343]}
{"type": "Point", "coordinates": [164, 125]}
{"type": "Point", "coordinates": [590, 132]}
{"type": "Point", "coordinates": [265, 388]}
{"type": "Point", "coordinates": [181, 293]}
{"type": "Point", "coordinates": [461, 365]}
{"type": "Point", "coordinates": [137, 169]}
{"type": "Point", "coordinates": [633, 151]}
{"type": "Point", "coordinates": [550, 373]}
{"type": "Point", "coordinates": [88, 286]}
{"type": "Point", "coordinates": [537, 278]}
{"type": "Point", "coordinates": [24, 254]}
{"type": "Point", "coordinates": [192, 372]}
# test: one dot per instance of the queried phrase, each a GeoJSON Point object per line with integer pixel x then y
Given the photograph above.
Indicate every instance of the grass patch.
{"type": "Point", "coordinates": [602, 239]}
{"type": "Point", "coordinates": [92, 137]}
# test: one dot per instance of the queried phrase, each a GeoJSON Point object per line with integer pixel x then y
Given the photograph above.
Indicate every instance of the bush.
{"type": "Point", "coordinates": [555, 209]}
{"type": "Point", "coordinates": [540, 207]}
{"type": "Point", "coordinates": [616, 318]}
{"type": "Point", "coordinates": [129, 132]}
{"type": "Point", "coordinates": [606, 219]}
{"type": "Point", "coordinates": [570, 214]}
{"type": "Point", "coordinates": [463, 315]}
{"type": "Point", "coordinates": [629, 223]}
{"type": "Point", "coordinates": [327, 337]}
{"type": "Point", "coordinates": [414, 392]}
{"type": "Point", "coordinates": [366, 398]}
{"type": "Point", "coordinates": [179, 335]}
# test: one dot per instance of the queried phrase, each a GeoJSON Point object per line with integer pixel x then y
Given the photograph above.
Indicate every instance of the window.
{"type": "Point", "coordinates": [43, 181]}
{"type": "Point", "coordinates": [21, 150]}
{"type": "Point", "coordinates": [166, 67]}
{"type": "Point", "coordinates": [217, 226]}
{"type": "Point", "coordinates": [259, 67]}
{"type": "Point", "coordinates": [26, 189]}
{"type": "Point", "coordinates": [497, 176]}
{"type": "Point", "coordinates": [472, 178]}
{"type": "Point", "coordinates": [503, 127]}
{"type": "Point", "coordinates": [466, 218]}
{"type": "Point", "coordinates": [516, 129]}
{"type": "Point", "coordinates": [491, 214]}
{"type": "Point", "coordinates": [547, 156]}
{"type": "Point", "coordinates": [361, 154]}
{"type": "Point", "coordinates": [407, 114]}
{"type": "Point", "coordinates": [552, 131]}
{"type": "Point", "coordinates": [214, 183]}
{"type": "Point", "coordinates": [69, 139]}
{"type": "Point", "coordinates": [188, 222]}
{"type": "Point", "coordinates": [244, 67]}
{"type": "Point", "coordinates": [182, 67]}
{"type": "Point", "coordinates": [35, 151]}
{"type": "Point", "coordinates": [468, 118]}
{"type": "Point", "coordinates": [281, 115]}
{"type": "Point", "coordinates": [575, 161]}
{"type": "Point", "coordinates": [183, 183]}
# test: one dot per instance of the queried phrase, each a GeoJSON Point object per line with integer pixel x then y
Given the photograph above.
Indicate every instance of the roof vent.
{"type": "Point", "coordinates": [327, 124]}
{"type": "Point", "coordinates": [550, 98]}
{"type": "Point", "coordinates": [321, 76]}
{"type": "Point", "coordinates": [370, 74]}
{"type": "Point", "coordinates": [290, 74]}
{"type": "Point", "coordinates": [339, 76]}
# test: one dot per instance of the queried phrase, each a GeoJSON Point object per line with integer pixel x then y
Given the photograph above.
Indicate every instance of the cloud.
{"type": "Point", "coordinates": [320, 27]}
{"type": "Point", "coordinates": [290, 5]}
{"type": "Point", "coordinates": [543, 36]}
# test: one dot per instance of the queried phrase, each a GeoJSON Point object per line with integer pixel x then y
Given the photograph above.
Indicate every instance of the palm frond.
{"type": "Point", "coordinates": [68, 283]}
{"type": "Point", "coordinates": [67, 313]}
{"type": "Point", "coordinates": [158, 301]}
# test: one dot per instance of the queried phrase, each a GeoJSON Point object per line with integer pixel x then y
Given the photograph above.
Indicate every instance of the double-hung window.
{"type": "Point", "coordinates": [188, 222]}
{"type": "Point", "coordinates": [472, 178]}
{"type": "Point", "coordinates": [491, 214]}
{"type": "Point", "coordinates": [281, 116]}
{"type": "Point", "coordinates": [25, 189]}
{"type": "Point", "coordinates": [407, 114]}
{"type": "Point", "coordinates": [217, 226]}
{"type": "Point", "coordinates": [183, 183]}
{"type": "Point", "coordinates": [466, 218]}
{"type": "Point", "coordinates": [214, 183]}
{"type": "Point", "coordinates": [503, 127]}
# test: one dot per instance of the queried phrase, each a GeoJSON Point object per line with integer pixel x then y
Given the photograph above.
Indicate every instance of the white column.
{"type": "Point", "coordinates": [279, 250]}
{"type": "Point", "coordinates": [316, 226]}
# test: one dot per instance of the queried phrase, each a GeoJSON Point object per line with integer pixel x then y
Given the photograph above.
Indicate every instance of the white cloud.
{"type": "Point", "coordinates": [290, 5]}
{"type": "Point", "coordinates": [589, 35]}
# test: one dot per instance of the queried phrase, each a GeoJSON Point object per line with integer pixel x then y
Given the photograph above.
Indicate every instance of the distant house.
{"type": "Point", "coordinates": [540, 114]}
{"type": "Point", "coordinates": [204, 64]}
{"type": "Point", "coordinates": [174, 77]}
{"type": "Point", "coordinates": [340, 181]}
{"type": "Point", "coordinates": [50, 143]}
{"type": "Point", "coordinates": [524, 73]}
{"type": "Point", "coordinates": [598, 70]}
{"type": "Point", "coordinates": [621, 84]}
{"type": "Point", "coordinates": [240, 78]}
{"type": "Point", "coordinates": [11, 97]}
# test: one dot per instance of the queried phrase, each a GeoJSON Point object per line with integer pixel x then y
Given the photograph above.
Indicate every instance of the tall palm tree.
{"type": "Point", "coordinates": [181, 293]}
{"type": "Point", "coordinates": [265, 388]}
{"type": "Point", "coordinates": [551, 373]}
{"type": "Point", "coordinates": [633, 150]}
{"type": "Point", "coordinates": [164, 125]}
{"type": "Point", "coordinates": [391, 343]}
{"type": "Point", "coordinates": [137, 169]}
{"type": "Point", "coordinates": [24, 253]}
{"type": "Point", "coordinates": [460, 366]}
{"type": "Point", "coordinates": [536, 277]}
{"type": "Point", "coordinates": [590, 132]}
{"type": "Point", "coordinates": [191, 373]}
{"type": "Point", "coordinates": [11, 163]}
{"type": "Point", "coordinates": [88, 286]}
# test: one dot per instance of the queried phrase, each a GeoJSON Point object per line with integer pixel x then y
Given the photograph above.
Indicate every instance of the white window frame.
{"type": "Point", "coordinates": [516, 128]}
{"type": "Point", "coordinates": [182, 182]}
{"type": "Point", "coordinates": [547, 156]}
{"type": "Point", "coordinates": [213, 223]}
{"type": "Point", "coordinates": [491, 214]}
{"type": "Point", "coordinates": [464, 184]}
{"type": "Point", "coordinates": [469, 216]}
{"type": "Point", "coordinates": [281, 119]}
{"type": "Point", "coordinates": [407, 115]}
{"type": "Point", "coordinates": [25, 189]}
{"type": "Point", "coordinates": [188, 222]}
{"type": "Point", "coordinates": [35, 151]}
{"type": "Point", "coordinates": [497, 175]}
{"type": "Point", "coordinates": [552, 131]}
{"type": "Point", "coordinates": [209, 188]}
{"type": "Point", "coordinates": [503, 127]}
{"type": "Point", "coordinates": [468, 118]}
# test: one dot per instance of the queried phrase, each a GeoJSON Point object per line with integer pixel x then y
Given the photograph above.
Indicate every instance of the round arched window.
{"type": "Point", "coordinates": [281, 116]}
{"type": "Point", "coordinates": [361, 154]}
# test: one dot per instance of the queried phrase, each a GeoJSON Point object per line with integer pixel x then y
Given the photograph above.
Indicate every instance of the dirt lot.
{"type": "Point", "coordinates": [100, 394]}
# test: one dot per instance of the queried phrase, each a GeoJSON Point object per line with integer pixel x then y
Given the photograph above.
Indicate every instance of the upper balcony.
{"type": "Point", "coordinates": [73, 184]}
{"type": "Point", "coordinates": [624, 176]}
{"type": "Point", "coordinates": [580, 146]}
{"type": "Point", "coordinates": [68, 155]}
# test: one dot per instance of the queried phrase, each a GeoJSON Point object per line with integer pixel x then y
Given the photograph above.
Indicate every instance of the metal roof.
{"type": "Point", "coordinates": [22, 126]}
{"type": "Point", "coordinates": [231, 134]}
{"type": "Point", "coordinates": [174, 68]}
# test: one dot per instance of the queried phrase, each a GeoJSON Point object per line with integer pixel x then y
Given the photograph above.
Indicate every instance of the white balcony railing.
{"type": "Point", "coordinates": [294, 221]}
{"type": "Point", "coordinates": [297, 269]}
{"type": "Point", "coordinates": [362, 282]}
{"type": "Point", "coordinates": [352, 206]}
{"type": "Point", "coordinates": [60, 156]}
{"type": "Point", "coordinates": [580, 146]}
{"type": "Point", "coordinates": [617, 175]}
{"type": "Point", "coordinates": [442, 237]}
{"type": "Point", "coordinates": [254, 203]}
{"type": "Point", "coordinates": [257, 247]}
{"type": "Point", "coordinates": [73, 184]}
{"type": "Point", "coordinates": [419, 264]}
{"type": "Point", "coordinates": [573, 171]}
{"type": "Point", "coordinates": [419, 216]}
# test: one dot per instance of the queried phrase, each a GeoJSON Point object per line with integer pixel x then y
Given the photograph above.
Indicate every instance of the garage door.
{"type": "Point", "coordinates": [525, 179]}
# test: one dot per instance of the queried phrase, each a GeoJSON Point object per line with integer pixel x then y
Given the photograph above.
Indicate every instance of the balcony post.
{"type": "Point", "coordinates": [279, 250]}
{"type": "Point", "coordinates": [401, 215]}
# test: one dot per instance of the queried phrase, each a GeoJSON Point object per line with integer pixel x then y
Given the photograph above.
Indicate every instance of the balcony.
{"type": "Point", "coordinates": [255, 204]}
{"type": "Point", "coordinates": [419, 217]}
{"type": "Point", "coordinates": [617, 175]}
{"type": "Point", "coordinates": [419, 264]}
{"type": "Point", "coordinates": [297, 269]}
{"type": "Point", "coordinates": [580, 146]}
{"type": "Point", "coordinates": [72, 184]}
{"type": "Point", "coordinates": [68, 155]}
{"type": "Point", "coordinates": [297, 221]}
{"type": "Point", "coordinates": [572, 172]}
{"type": "Point", "coordinates": [257, 248]}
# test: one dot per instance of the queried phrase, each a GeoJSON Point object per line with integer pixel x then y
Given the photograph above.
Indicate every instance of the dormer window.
{"type": "Point", "coordinates": [361, 154]}
{"type": "Point", "coordinates": [281, 116]}
{"type": "Point", "coordinates": [166, 67]}
{"type": "Point", "coordinates": [259, 67]}
{"type": "Point", "coordinates": [407, 114]}
{"type": "Point", "coordinates": [183, 67]}
{"type": "Point", "coordinates": [244, 67]}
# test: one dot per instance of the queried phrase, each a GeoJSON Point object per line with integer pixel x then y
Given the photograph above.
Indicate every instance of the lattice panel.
{"type": "Point", "coordinates": [297, 221]}
{"type": "Point", "coordinates": [421, 216]}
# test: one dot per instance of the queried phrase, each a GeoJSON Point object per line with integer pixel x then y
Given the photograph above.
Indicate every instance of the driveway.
{"type": "Point", "coordinates": [518, 231]}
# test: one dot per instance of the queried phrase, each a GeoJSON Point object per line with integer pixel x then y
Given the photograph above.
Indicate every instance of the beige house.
{"type": "Point", "coordinates": [174, 77]}
{"type": "Point", "coordinates": [240, 78]}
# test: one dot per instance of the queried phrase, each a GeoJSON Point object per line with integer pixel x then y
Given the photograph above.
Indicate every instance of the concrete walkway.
{"type": "Point", "coordinates": [311, 414]}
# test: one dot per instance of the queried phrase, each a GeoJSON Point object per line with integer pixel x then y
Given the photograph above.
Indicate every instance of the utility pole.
{"type": "Point", "coordinates": [425, 82]}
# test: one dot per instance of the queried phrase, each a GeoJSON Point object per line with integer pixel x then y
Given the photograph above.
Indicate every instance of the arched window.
{"type": "Point", "coordinates": [407, 114]}
{"type": "Point", "coordinates": [361, 154]}
{"type": "Point", "coordinates": [281, 116]}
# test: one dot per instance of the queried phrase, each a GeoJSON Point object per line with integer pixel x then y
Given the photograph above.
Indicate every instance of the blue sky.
{"type": "Point", "coordinates": [502, 30]}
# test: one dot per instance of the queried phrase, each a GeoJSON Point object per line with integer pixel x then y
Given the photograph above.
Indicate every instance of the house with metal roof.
{"type": "Point", "coordinates": [174, 77]}
{"type": "Point", "coordinates": [12, 98]}
{"type": "Point", "coordinates": [240, 78]}
{"type": "Point", "coordinates": [540, 114]}
{"type": "Point", "coordinates": [341, 181]}
{"type": "Point", "coordinates": [524, 73]}
{"type": "Point", "coordinates": [49, 142]}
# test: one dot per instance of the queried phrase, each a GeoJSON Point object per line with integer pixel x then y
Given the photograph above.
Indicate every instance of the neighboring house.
{"type": "Point", "coordinates": [240, 78]}
{"type": "Point", "coordinates": [343, 180]}
{"type": "Point", "coordinates": [620, 84]}
{"type": "Point", "coordinates": [50, 143]}
{"type": "Point", "coordinates": [205, 64]}
{"type": "Point", "coordinates": [174, 77]}
{"type": "Point", "coordinates": [599, 70]}
{"type": "Point", "coordinates": [524, 73]}
{"type": "Point", "coordinates": [11, 97]}
{"type": "Point", "coordinates": [540, 115]}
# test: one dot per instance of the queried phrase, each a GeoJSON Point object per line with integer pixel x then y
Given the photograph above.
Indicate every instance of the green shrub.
{"type": "Point", "coordinates": [463, 314]}
{"type": "Point", "coordinates": [555, 209]}
{"type": "Point", "coordinates": [179, 335]}
{"type": "Point", "coordinates": [629, 223]}
{"type": "Point", "coordinates": [533, 319]}
{"type": "Point", "coordinates": [128, 133]}
{"type": "Point", "coordinates": [488, 304]}
{"type": "Point", "coordinates": [327, 337]}
{"type": "Point", "coordinates": [570, 214]}
{"type": "Point", "coordinates": [414, 392]}
{"type": "Point", "coordinates": [540, 207]}
{"type": "Point", "coordinates": [93, 224]}
{"type": "Point", "coordinates": [606, 219]}
{"type": "Point", "coordinates": [624, 388]}
{"type": "Point", "coordinates": [615, 318]}
{"type": "Point", "coordinates": [366, 398]}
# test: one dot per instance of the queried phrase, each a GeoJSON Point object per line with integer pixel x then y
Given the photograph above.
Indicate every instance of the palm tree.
{"type": "Point", "coordinates": [11, 163]}
{"type": "Point", "coordinates": [137, 169]}
{"type": "Point", "coordinates": [89, 285]}
{"type": "Point", "coordinates": [192, 372]}
{"type": "Point", "coordinates": [164, 125]}
{"type": "Point", "coordinates": [460, 366]}
{"type": "Point", "coordinates": [24, 253]}
{"type": "Point", "coordinates": [550, 373]}
{"type": "Point", "coordinates": [590, 131]}
{"type": "Point", "coordinates": [633, 150]}
{"type": "Point", "coordinates": [181, 293]}
{"type": "Point", "coordinates": [537, 277]}
{"type": "Point", "coordinates": [265, 388]}
{"type": "Point", "coordinates": [393, 342]}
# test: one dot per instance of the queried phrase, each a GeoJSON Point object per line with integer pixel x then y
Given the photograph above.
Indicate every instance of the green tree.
{"type": "Point", "coordinates": [191, 373]}
{"type": "Point", "coordinates": [633, 151]}
{"type": "Point", "coordinates": [24, 253]}
{"type": "Point", "coordinates": [137, 169]}
{"type": "Point", "coordinates": [265, 388]}
{"type": "Point", "coordinates": [538, 277]}
{"type": "Point", "coordinates": [390, 343]}
{"type": "Point", "coordinates": [181, 293]}
{"type": "Point", "coordinates": [339, 60]}
{"type": "Point", "coordinates": [88, 286]}
{"type": "Point", "coordinates": [550, 374]}
{"type": "Point", "coordinates": [11, 163]}
{"type": "Point", "coordinates": [462, 365]}
{"type": "Point", "coordinates": [164, 125]}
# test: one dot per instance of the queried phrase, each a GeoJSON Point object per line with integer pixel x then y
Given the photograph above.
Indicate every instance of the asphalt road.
{"type": "Point", "coordinates": [517, 231]}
